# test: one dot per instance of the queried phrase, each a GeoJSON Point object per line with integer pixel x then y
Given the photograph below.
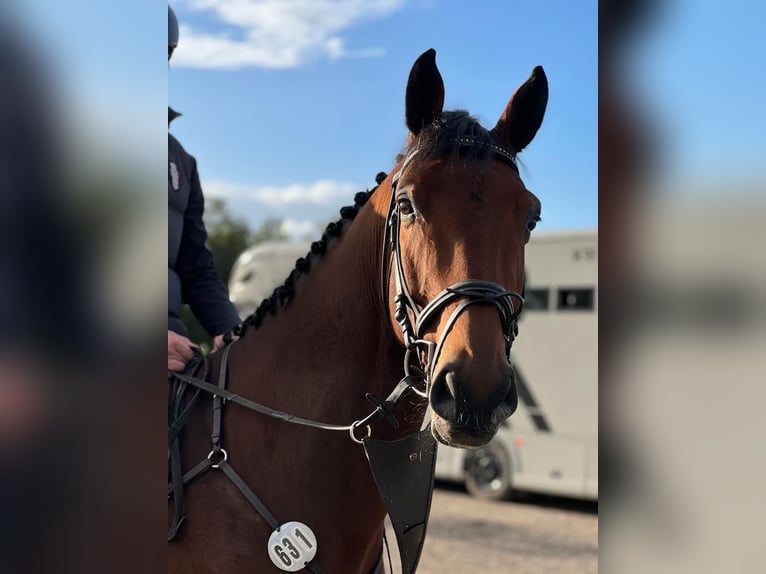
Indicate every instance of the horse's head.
{"type": "Point", "coordinates": [459, 219]}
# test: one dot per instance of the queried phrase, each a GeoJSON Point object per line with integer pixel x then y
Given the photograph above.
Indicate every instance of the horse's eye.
{"type": "Point", "coordinates": [531, 225]}
{"type": "Point", "coordinates": [405, 206]}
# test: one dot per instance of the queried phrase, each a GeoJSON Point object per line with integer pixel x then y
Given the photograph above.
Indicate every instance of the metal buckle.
{"type": "Point", "coordinates": [355, 425]}
{"type": "Point", "coordinates": [218, 463]}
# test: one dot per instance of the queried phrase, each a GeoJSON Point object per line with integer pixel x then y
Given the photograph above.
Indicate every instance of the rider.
{"type": "Point", "coordinates": [192, 276]}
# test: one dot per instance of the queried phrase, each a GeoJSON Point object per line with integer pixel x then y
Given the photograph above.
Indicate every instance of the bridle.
{"type": "Point", "coordinates": [418, 366]}
{"type": "Point", "coordinates": [422, 355]}
{"type": "Point", "coordinates": [420, 358]}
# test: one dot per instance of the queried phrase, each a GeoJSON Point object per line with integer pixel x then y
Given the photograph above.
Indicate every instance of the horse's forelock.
{"type": "Point", "coordinates": [439, 138]}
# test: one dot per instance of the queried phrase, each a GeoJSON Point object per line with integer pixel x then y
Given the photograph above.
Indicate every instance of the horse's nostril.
{"type": "Point", "coordinates": [451, 383]}
{"type": "Point", "coordinates": [443, 393]}
{"type": "Point", "coordinates": [452, 399]}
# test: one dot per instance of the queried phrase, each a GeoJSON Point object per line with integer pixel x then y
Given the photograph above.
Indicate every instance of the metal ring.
{"type": "Point", "coordinates": [421, 394]}
{"type": "Point", "coordinates": [430, 347]}
{"type": "Point", "coordinates": [409, 373]}
{"type": "Point", "coordinates": [356, 425]}
{"type": "Point", "coordinates": [429, 350]}
{"type": "Point", "coordinates": [217, 464]}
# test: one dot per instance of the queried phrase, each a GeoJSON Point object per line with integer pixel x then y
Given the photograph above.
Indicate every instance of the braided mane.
{"type": "Point", "coordinates": [284, 293]}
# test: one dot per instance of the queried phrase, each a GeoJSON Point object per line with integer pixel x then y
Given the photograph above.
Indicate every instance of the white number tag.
{"type": "Point", "coordinates": [292, 546]}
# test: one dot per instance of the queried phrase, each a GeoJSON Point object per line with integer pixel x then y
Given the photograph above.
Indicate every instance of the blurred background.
{"type": "Point", "coordinates": [674, 147]}
{"type": "Point", "coordinates": [681, 201]}
{"type": "Point", "coordinates": [83, 94]}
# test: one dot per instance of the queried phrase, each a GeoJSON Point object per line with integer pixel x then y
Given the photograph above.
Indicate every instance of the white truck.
{"type": "Point", "coordinates": [258, 270]}
{"type": "Point", "coordinates": [550, 445]}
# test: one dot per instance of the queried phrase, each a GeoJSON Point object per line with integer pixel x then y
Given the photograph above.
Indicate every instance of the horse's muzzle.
{"type": "Point", "coordinates": [461, 420]}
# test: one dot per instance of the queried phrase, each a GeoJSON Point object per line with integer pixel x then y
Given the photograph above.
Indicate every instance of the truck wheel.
{"type": "Point", "coordinates": [488, 473]}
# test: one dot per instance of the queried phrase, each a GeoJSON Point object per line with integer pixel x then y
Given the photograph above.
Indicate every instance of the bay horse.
{"type": "Point", "coordinates": [414, 277]}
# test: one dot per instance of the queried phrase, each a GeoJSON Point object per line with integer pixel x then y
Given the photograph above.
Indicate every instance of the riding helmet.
{"type": "Point", "coordinates": [172, 31]}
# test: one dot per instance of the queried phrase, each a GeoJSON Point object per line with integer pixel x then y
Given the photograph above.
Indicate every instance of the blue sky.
{"type": "Point", "coordinates": [312, 90]}
{"type": "Point", "coordinates": [292, 107]}
{"type": "Point", "coordinates": [697, 71]}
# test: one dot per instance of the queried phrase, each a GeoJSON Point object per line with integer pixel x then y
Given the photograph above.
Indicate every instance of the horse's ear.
{"type": "Point", "coordinates": [524, 113]}
{"type": "Point", "coordinates": [425, 93]}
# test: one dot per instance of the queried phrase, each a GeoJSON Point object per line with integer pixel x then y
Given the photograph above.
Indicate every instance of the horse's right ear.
{"type": "Point", "coordinates": [425, 93]}
{"type": "Point", "coordinates": [524, 113]}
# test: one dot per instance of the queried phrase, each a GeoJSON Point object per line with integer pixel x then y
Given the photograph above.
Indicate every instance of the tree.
{"type": "Point", "coordinates": [270, 230]}
{"type": "Point", "coordinates": [227, 237]}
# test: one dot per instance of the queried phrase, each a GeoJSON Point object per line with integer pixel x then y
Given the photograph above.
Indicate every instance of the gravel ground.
{"type": "Point", "coordinates": [539, 535]}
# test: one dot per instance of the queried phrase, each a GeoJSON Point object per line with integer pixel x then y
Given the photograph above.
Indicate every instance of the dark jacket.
{"type": "Point", "coordinates": [192, 277]}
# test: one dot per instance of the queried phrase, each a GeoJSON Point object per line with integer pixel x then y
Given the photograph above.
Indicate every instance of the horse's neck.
{"type": "Point", "coordinates": [334, 332]}
{"type": "Point", "coordinates": [316, 359]}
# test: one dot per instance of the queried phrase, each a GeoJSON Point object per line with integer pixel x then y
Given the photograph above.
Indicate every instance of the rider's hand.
{"type": "Point", "coordinates": [180, 351]}
{"type": "Point", "coordinates": [217, 342]}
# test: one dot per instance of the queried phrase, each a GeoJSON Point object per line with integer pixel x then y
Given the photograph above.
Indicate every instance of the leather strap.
{"type": "Point", "coordinates": [259, 506]}
{"type": "Point", "coordinates": [403, 470]}
{"type": "Point", "coordinates": [217, 400]}
{"type": "Point", "coordinates": [249, 494]}
{"type": "Point", "coordinates": [179, 416]}
{"type": "Point", "coordinates": [175, 488]}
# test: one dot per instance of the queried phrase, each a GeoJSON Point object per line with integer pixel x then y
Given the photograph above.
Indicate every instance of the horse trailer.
{"type": "Point", "coordinates": [259, 269]}
{"type": "Point", "coordinates": [550, 444]}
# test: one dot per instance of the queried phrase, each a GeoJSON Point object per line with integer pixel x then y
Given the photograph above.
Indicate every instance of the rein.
{"type": "Point", "coordinates": [383, 409]}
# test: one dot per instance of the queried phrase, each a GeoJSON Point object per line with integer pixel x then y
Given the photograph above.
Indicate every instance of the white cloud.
{"type": "Point", "coordinates": [277, 33]}
{"type": "Point", "coordinates": [322, 192]}
{"type": "Point", "coordinates": [299, 229]}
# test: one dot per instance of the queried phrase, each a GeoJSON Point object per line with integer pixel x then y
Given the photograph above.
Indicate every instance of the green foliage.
{"type": "Point", "coordinates": [270, 230]}
{"type": "Point", "coordinates": [196, 332]}
{"type": "Point", "coordinates": [227, 237]}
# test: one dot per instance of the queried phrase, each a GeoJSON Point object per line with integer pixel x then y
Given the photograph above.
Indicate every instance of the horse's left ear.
{"type": "Point", "coordinates": [524, 113]}
{"type": "Point", "coordinates": [425, 93]}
